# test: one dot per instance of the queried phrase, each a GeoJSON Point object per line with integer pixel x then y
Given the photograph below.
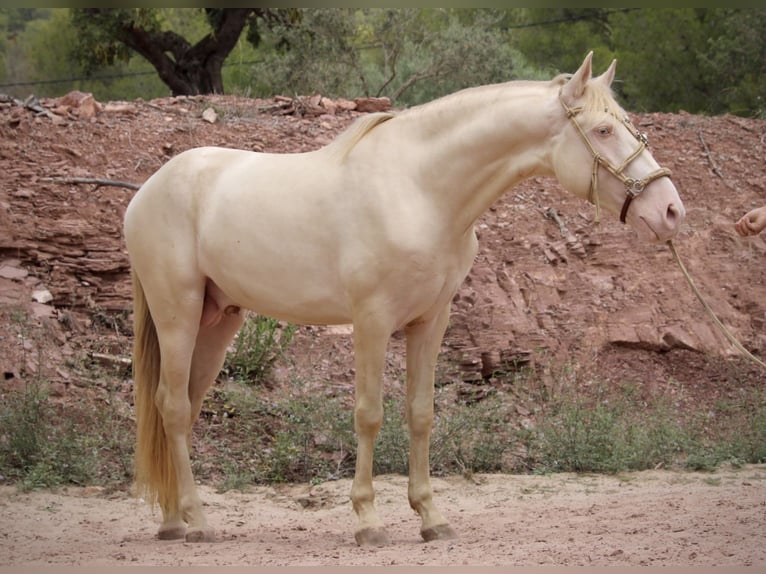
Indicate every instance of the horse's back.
{"type": "Point", "coordinates": [176, 197]}
{"type": "Point", "coordinates": [187, 175]}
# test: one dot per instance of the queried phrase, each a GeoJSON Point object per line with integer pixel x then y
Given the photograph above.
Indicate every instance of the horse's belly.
{"type": "Point", "coordinates": [303, 298]}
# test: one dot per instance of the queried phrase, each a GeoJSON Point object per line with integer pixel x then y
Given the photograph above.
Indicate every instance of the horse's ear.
{"type": "Point", "coordinates": [575, 87]}
{"type": "Point", "coordinates": [607, 77]}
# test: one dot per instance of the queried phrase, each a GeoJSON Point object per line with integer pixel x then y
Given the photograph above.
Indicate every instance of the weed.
{"type": "Point", "coordinates": [300, 433]}
{"type": "Point", "coordinates": [470, 438]}
{"type": "Point", "coordinates": [606, 433]}
{"type": "Point", "coordinates": [259, 343]}
{"type": "Point", "coordinates": [36, 452]}
{"type": "Point", "coordinates": [392, 446]}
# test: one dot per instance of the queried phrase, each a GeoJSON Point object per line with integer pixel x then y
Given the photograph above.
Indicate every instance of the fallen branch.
{"type": "Point", "coordinates": [111, 360]}
{"type": "Point", "coordinates": [710, 160]}
{"type": "Point", "coordinates": [715, 169]}
{"type": "Point", "coordinates": [551, 213]}
{"type": "Point", "coordinates": [739, 123]}
{"type": "Point", "coordinates": [85, 180]}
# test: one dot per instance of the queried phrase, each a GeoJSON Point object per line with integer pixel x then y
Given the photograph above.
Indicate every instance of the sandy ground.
{"type": "Point", "coordinates": [656, 518]}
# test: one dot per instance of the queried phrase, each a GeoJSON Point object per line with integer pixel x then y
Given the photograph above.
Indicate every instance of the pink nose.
{"type": "Point", "coordinates": [674, 216]}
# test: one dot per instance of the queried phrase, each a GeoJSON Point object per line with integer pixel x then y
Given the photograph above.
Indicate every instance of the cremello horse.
{"type": "Point", "coordinates": [375, 229]}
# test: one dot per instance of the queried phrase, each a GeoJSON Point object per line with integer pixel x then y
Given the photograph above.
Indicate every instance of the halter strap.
{"type": "Point", "coordinates": [633, 187]}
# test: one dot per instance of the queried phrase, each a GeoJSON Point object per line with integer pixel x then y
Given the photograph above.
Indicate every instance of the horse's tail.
{"type": "Point", "coordinates": [155, 474]}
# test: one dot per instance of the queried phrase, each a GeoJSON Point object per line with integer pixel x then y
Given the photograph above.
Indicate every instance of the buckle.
{"type": "Point", "coordinates": [634, 186]}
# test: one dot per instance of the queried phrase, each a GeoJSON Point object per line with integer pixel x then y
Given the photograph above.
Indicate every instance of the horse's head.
{"type": "Point", "coordinates": [600, 156]}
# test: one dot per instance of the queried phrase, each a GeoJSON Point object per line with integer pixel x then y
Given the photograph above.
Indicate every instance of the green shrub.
{"type": "Point", "coordinates": [259, 343]}
{"type": "Point", "coordinates": [392, 445]}
{"type": "Point", "coordinates": [301, 433]}
{"type": "Point", "coordinates": [471, 438]}
{"type": "Point", "coordinates": [606, 430]}
{"type": "Point", "coordinates": [39, 447]}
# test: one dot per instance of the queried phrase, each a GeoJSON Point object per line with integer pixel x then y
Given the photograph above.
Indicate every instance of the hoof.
{"type": "Point", "coordinates": [171, 532]}
{"type": "Point", "coordinates": [438, 532]}
{"type": "Point", "coordinates": [372, 537]}
{"type": "Point", "coordinates": [200, 535]}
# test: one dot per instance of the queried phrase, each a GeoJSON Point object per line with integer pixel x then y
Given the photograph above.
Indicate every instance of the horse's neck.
{"type": "Point", "coordinates": [474, 146]}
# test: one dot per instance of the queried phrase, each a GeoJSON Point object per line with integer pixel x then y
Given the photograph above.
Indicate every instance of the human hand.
{"type": "Point", "coordinates": [752, 223]}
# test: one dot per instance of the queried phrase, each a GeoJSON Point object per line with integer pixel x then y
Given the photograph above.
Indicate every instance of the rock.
{"type": "Point", "coordinates": [81, 103]}
{"type": "Point", "coordinates": [328, 105]}
{"type": "Point", "coordinates": [210, 115]}
{"type": "Point", "coordinates": [369, 105]}
{"type": "Point", "coordinates": [10, 270]}
{"type": "Point", "coordinates": [120, 108]}
{"type": "Point", "coordinates": [42, 296]}
{"type": "Point", "coordinates": [41, 311]}
{"type": "Point", "coordinates": [345, 105]}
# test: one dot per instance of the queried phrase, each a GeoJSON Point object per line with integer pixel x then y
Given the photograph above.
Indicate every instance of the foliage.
{"type": "Point", "coordinates": [712, 62]}
{"type": "Point", "coordinates": [736, 50]}
{"type": "Point", "coordinates": [99, 30]}
{"type": "Point", "coordinates": [613, 429]}
{"type": "Point", "coordinates": [43, 445]}
{"type": "Point", "coordinates": [410, 55]}
{"type": "Point", "coordinates": [300, 437]}
{"type": "Point", "coordinates": [472, 437]}
{"type": "Point", "coordinates": [259, 343]}
{"type": "Point", "coordinates": [647, 78]}
{"type": "Point", "coordinates": [576, 425]}
{"type": "Point", "coordinates": [607, 434]}
{"type": "Point", "coordinates": [13, 22]}
{"type": "Point", "coordinates": [40, 53]}
{"type": "Point", "coordinates": [555, 40]}
{"type": "Point", "coordinates": [253, 435]}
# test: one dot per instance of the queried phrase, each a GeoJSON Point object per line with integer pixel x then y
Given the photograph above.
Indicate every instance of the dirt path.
{"type": "Point", "coordinates": [648, 518]}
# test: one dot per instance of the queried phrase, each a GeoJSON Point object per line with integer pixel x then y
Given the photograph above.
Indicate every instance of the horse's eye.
{"type": "Point", "coordinates": [604, 131]}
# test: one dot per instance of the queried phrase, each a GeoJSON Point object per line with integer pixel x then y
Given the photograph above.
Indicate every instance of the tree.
{"type": "Point", "coordinates": [107, 35]}
{"type": "Point", "coordinates": [411, 55]}
{"type": "Point", "coordinates": [557, 39]}
{"type": "Point", "coordinates": [737, 52]}
{"type": "Point", "coordinates": [702, 60]}
{"type": "Point", "coordinates": [13, 21]}
{"type": "Point", "coordinates": [673, 75]}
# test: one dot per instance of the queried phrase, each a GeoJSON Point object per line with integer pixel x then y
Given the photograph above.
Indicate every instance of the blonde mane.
{"type": "Point", "coordinates": [341, 146]}
{"type": "Point", "coordinates": [598, 98]}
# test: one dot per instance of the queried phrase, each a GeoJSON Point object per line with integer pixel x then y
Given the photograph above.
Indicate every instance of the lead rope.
{"type": "Point", "coordinates": [732, 339]}
{"type": "Point", "coordinates": [593, 192]}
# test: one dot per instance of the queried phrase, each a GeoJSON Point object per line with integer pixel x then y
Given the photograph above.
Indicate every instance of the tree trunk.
{"type": "Point", "coordinates": [193, 69]}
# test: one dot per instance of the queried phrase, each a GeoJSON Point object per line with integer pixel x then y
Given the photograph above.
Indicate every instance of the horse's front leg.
{"type": "Point", "coordinates": [423, 345]}
{"type": "Point", "coordinates": [371, 334]}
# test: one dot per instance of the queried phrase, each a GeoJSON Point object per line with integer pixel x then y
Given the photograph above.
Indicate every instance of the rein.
{"type": "Point", "coordinates": [732, 339]}
{"type": "Point", "coordinates": [633, 187]}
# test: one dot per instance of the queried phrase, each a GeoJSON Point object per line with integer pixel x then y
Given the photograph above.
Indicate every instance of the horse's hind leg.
{"type": "Point", "coordinates": [423, 344]}
{"type": "Point", "coordinates": [176, 341]}
{"type": "Point", "coordinates": [210, 353]}
{"type": "Point", "coordinates": [207, 359]}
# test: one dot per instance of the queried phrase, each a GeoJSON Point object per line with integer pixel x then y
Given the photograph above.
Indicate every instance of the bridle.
{"type": "Point", "coordinates": [633, 187]}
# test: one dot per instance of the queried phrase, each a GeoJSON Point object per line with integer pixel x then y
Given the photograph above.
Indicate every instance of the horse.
{"type": "Point", "coordinates": [375, 229]}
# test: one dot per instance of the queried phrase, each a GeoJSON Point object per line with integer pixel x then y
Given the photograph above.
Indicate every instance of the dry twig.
{"type": "Point", "coordinates": [709, 156]}
{"type": "Point", "coordinates": [85, 180]}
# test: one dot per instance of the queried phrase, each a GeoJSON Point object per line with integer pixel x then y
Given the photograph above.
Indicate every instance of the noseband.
{"type": "Point", "coordinates": [633, 187]}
